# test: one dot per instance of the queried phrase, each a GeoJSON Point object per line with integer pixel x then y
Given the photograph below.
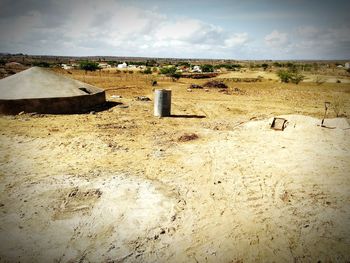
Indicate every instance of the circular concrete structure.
{"type": "Point", "coordinates": [43, 91]}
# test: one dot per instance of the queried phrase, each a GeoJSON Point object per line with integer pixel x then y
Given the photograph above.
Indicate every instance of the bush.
{"type": "Point", "coordinates": [170, 72]}
{"type": "Point", "coordinates": [151, 63]}
{"type": "Point", "coordinates": [207, 68]}
{"type": "Point", "coordinates": [320, 80]}
{"type": "Point", "coordinates": [42, 64]}
{"type": "Point", "coordinates": [284, 75]}
{"type": "Point", "coordinates": [264, 66]}
{"type": "Point", "coordinates": [338, 106]}
{"type": "Point", "coordinates": [89, 65]}
{"type": "Point", "coordinates": [296, 78]}
{"type": "Point", "coordinates": [147, 71]}
{"type": "Point", "coordinates": [287, 76]}
{"type": "Point", "coordinates": [228, 66]}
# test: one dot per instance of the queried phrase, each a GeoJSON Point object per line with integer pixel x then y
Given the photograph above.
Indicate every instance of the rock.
{"type": "Point", "coordinates": [142, 98]}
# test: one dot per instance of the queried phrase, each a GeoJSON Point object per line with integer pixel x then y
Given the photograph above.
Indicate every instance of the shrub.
{"type": "Point", "coordinates": [147, 71]}
{"type": "Point", "coordinates": [287, 76]}
{"type": "Point", "coordinates": [338, 106]}
{"type": "Point", "coordinates": [296, 78]}
{"type": "Point", "coordinates": [264, 66]}
{"type": "Point", "coordinates": [170, 72]}
{"type": "Point", "coordinates": [207, 68]}
{"type": "Point", "coordinates": [320, 80]}
{"type": "Point", "coordinates": [284, 75]}
{"type": "Point", "coordinates": [89, 65]}
{"type": "Point", "coordinates": [42, 64]}
{"type": "Point", "coordinates": [167, 70]}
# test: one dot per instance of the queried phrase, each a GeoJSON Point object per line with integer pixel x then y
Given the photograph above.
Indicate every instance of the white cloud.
{"type": "Point", "coordinates": [276, 39]}
{"type": "Point", "coordinates": [237, 40]}
{"type": "Point", "coordinates": [112, 28]}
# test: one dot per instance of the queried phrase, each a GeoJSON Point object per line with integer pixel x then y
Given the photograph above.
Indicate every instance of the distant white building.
{"type": "Point", "coordinates": [347, 65]}
{"type": "Point", "coordinates": [104, 65]}
{"type": "Point", "coordinates": [196, 69]}
{"type": "Point", "coordinates": [66, 67]}
{"type": "Point", "coordinates": [123, 65]}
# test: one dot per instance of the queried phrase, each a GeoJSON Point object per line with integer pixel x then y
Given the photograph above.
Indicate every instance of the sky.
{"type": "Point", "coordinates": [221, 29]}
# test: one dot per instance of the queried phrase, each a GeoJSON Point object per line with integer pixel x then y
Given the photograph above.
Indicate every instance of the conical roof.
{"type": "Point", "coordinates": [38, 82]}
{"type": "Point", "coordinates": [43, 91]}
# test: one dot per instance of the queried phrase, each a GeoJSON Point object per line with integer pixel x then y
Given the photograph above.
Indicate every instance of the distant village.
{"type": "Point", "coordinates": [124, 65]}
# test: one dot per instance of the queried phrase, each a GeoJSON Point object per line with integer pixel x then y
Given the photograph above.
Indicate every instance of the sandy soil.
{"type": "Point", "coordinates": [119, 186]}
{"type": "Point", "coordinates": [273, 76]}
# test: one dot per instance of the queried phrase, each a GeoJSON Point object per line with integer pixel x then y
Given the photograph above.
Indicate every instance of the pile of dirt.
{"type": "Point", "coordinates": [195, 86]}
{"type": "Point", "coordinates": [215, 84]}
{"type": "Point", "coordinates": [187, 137]}
{"type": "Point", "coordinates": [200, 75]}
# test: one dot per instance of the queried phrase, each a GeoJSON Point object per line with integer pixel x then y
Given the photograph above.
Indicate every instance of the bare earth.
{"type": "Point", "coordinates": [119, 185]}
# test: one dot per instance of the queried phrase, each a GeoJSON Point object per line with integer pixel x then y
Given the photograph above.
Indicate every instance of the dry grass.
{"type": "Point", "coordinates": [266, 97]}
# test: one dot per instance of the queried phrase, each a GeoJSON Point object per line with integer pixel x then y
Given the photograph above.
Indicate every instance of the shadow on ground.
{"type": "Point", "coordinates": [188, 116]}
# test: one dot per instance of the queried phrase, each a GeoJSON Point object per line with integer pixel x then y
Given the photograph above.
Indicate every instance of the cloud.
{"type": "Point", "coordinates": [116, 27]}
{"type": "Point", "coordinates": [237, 40]}
{"type": "Point", "coordinates": [109, 27]}
{"type": "Point", "coordinates": [276, 39]}
{"type": "Point", "coordinates": [309, 42]}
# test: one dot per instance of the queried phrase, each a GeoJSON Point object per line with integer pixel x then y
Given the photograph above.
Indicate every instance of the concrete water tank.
{"type": "Point", "coordinates": [162, 103]}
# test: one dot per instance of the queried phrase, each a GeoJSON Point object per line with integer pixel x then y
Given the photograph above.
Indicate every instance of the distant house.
{"type": "Point", "coordinates": [66, 67]}
{"type": "Point", "coordinates": [347, 65]}
{"type": "Point", "coordinates": [196, 69]}
{"type": "Point", "coordinates": [104, 65]}
{"type": "Point", "coordinates": [123, 65]}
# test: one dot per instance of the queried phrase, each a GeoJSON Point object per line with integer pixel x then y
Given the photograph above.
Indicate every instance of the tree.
{"type": "Point", "coordinates": [296, 77]}
{"type": "Point", "coordinates": [284, 75]}
{"type": "Point", "coordinates": [264, 66]}
{"type": "Point", "coordinates": [287, 76]}
{"type": "Point", "coordinates": [147, 71]}
{"type": "Point", "coordinates": [42, 64]}
{"type": "Point", "coordinates": [170, 72]}
{"type": "Point", "coordinates": [207, 68]}
{"type": "Point", "coordinates": [151, 63]}
{"type": "Point", "coordinates": [89, 66]}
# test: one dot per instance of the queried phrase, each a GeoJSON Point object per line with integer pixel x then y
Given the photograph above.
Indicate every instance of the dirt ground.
{"type": "Point", "coordinates": [123, 186]}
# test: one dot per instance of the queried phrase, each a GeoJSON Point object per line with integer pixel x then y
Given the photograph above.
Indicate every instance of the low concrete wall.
{"type": "Point", "coordinates": [63, 105]}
